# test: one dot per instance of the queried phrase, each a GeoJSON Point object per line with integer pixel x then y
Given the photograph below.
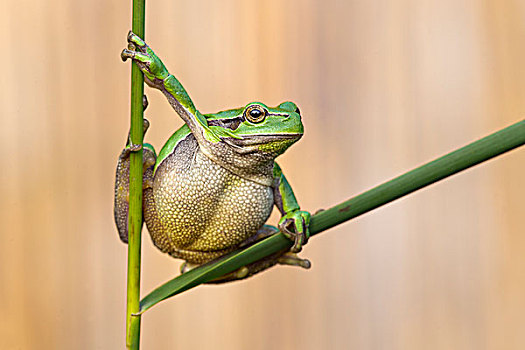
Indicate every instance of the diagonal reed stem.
{"type": "Point", "coordinates": [135, 191]}
{"type": "Point", "coordinates": [472, 154]}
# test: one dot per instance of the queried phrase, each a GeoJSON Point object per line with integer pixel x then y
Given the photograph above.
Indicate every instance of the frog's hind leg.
{"type": "Point", "coordinates": [122, 182]}
{"type": "Point", "coordinates": [283, 258]}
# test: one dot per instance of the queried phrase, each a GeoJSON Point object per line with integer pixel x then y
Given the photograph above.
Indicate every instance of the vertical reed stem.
{"type": "Point", "coordinates": [135, 191]}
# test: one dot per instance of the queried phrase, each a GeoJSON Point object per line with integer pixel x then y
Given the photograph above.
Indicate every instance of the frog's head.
{"type": "Point", "coordinates": [260, 129]}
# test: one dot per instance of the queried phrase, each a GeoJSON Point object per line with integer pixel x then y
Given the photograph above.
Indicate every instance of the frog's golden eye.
{"type": "Point", "coordinates": [255, 113]}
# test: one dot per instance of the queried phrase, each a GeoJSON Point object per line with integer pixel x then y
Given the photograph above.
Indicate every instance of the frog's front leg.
{"type": "Point", "coordinates": [157, 76]}
{"type": "Point", "coordinates": [294, 223]}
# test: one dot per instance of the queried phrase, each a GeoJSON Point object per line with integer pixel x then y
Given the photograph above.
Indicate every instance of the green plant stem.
{"type": "Point", "coordinates": [452, 163]}
{"type": "Point", "coordinates": [447, 165]}
{"type": "Point", "coordinates": [135, 191]}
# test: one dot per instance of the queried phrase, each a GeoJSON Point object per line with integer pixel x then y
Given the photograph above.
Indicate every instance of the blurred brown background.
{"type": "Point", "coordinates": [383, 86]}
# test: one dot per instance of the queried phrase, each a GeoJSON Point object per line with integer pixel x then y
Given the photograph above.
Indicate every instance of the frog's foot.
{"type": "Point", "coordinates": [294, 225]}
{"type": "Point", "coordinates": [154, 70]}
{"type": "Point", "coordinates": [186, 266]}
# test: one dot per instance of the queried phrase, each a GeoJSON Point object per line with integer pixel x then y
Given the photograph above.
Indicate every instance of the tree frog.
{"type": "Point", "coordinates": [213, 185]}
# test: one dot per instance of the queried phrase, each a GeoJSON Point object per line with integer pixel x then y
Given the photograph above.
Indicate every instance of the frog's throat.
{"type": "Point", "coordinates": [262, 179]}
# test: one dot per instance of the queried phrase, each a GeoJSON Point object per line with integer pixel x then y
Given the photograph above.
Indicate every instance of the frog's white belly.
{"type": "Point", "coordinates": [203, 207]}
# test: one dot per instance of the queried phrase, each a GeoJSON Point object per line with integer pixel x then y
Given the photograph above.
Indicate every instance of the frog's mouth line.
{"type": "Point", "coordinates": [260, 139]}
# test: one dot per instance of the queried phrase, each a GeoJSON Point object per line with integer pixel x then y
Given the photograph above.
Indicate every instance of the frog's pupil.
{"type": "Point", "coordinates": [255, 113]}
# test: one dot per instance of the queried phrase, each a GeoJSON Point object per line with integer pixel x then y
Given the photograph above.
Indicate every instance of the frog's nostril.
{"type": "Point", "coordinates": [297, 110]}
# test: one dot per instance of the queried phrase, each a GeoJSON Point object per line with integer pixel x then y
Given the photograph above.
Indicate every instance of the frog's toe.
{"type": "Point", "coordinates": [136, 56]}
{"type": "Point", "coordinates": [125, 54]}
{"type": "Point", "coordinates": [238, 274]}
{"type": "Point", "coordinates": [186, 266]}
{"type": "Point", "coordinates": [145, 122]}
{"type": "Point", "coordinates": [294, 260]}
{"type": "Point", "coordinates": [134, 39]}
{"type": "Point", "coordinates": [133, 147]}
{"type": "Point", "coordinates": [128, 53]}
